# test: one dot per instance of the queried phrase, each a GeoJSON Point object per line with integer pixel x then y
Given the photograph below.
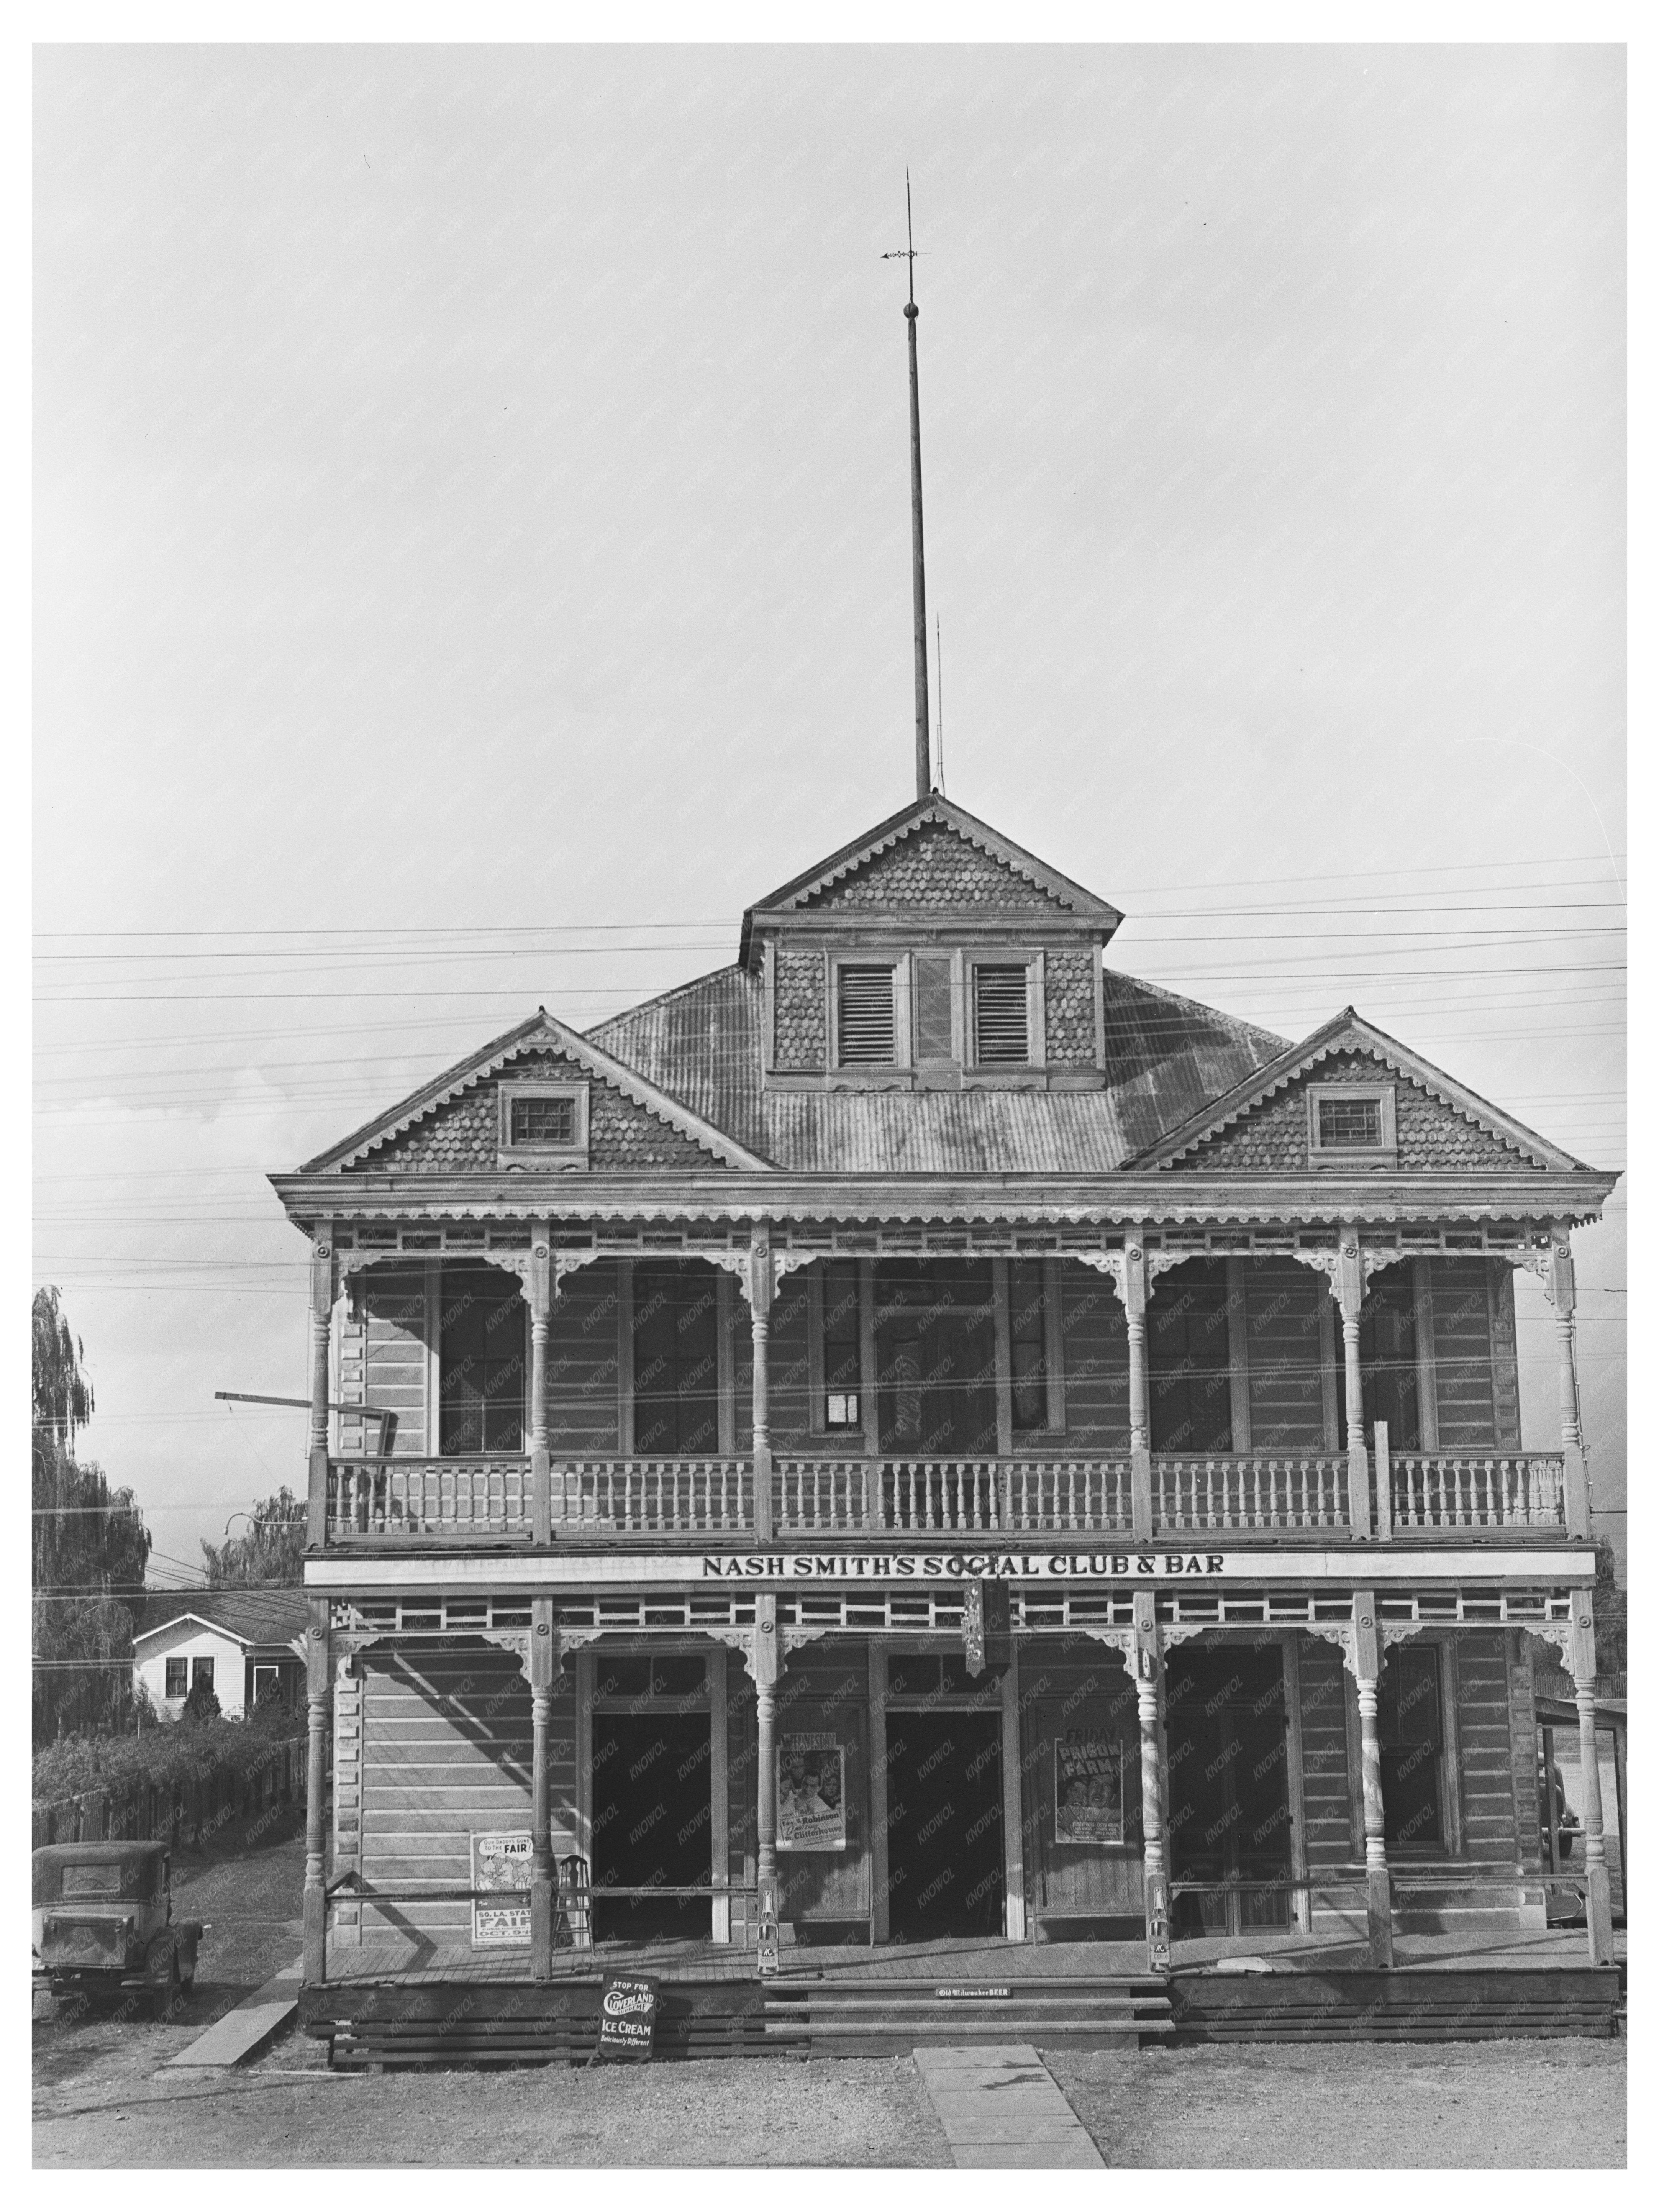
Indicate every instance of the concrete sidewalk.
{"type": "Point", "coordinates": [1000, 2106]}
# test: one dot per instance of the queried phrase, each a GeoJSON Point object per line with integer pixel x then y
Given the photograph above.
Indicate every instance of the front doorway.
{"type": "Point", "coordinates": [944, 1846]}
{"type": "Point", "coordinates": [652, 1829]}
{"type": "Point", "coordinates": [1229, 1806]}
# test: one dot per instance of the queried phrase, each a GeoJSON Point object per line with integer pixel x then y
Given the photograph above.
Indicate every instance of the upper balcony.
{"type": "Point", "coordinates": [1271, 1496]}
{"type": "Point", "coordinates": [1308, 1391]}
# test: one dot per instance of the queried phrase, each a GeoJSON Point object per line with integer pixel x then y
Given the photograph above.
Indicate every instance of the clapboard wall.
{"type": "Point", "coordinates": [445, 1751]}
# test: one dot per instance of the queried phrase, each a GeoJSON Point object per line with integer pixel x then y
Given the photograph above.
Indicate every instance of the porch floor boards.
{"type": "Point", "coordinates": [953, 1959]}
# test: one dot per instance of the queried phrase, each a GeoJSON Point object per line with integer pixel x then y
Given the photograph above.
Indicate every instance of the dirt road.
{"type": "Point", "coordinates": [98, 2100]}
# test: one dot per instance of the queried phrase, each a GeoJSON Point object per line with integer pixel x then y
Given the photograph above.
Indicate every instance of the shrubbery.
{"type": "Point", "coordinates": [169, 1753]}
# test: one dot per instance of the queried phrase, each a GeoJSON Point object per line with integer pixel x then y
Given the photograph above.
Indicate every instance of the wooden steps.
{"type": "Point", "coordinates": [1408, 2005]}
{"type": "Point", "coordinates": [875, 2015]}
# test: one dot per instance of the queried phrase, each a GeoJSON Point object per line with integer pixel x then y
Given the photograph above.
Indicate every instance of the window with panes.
{"type": "Point", "coordinates": [676, 1360]}
{"type": "Point", "coordinates": [842, 1378]}
{"type": "Point", "coordinates": [481, 1362]}
{"type": "Point", "coordinates": [1190, 1392]}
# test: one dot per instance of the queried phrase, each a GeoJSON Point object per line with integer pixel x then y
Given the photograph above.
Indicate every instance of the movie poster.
{"type": "Point", "coordinates": [811, 1794]}
{"type": "Point", "coordinates": [1087, 1788]}
{"type": "Point", "coordinates": [502, 1863]}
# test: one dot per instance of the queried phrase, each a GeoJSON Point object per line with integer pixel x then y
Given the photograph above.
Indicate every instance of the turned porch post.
{"type": "Point", "coordinates": [1149, 1702]}
{"type": "Point", "coordinates": [1140, 1434]}
{"type": "Point", "coordinates": [322, 1310]}
{"type": "Point", "coordinates": [319, 1713]}
{"type": "Point", "coordinates": [538, 1290]}
{"type": "Point", "coordinates": [1598, 1891]}
{"type": "Point", "coordinates": [768, 1667]}
{"type": "Point", "coordinates": [1563, 1296]}
{"type": "Point", "coordinates": [544, 1670]}
{"type": "Point", "coordinates": [1349, 1287]}
{"type": "Point", "coordinates": [1367, 1667]}
{"type": "Point", "coordinates": [758, 1285]}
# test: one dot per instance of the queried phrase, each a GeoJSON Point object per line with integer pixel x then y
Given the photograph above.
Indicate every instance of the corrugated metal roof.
{"type": "Point", "coordinates": [702, 1044]}
{"type": "Point", "coordinates": [1166, 1057]}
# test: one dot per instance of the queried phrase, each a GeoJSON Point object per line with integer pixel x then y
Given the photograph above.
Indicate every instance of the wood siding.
{"type": "Point", "coordinates": [382, 1360]}
{"type": "Point", "coordinates": [1327, 1835]}
{"type": "Point", "coordinates": [447, 1751]}
{"type": "Point", "coordinates": [1096, 1360]}
{"type": "Point", "coordinates": [826, 1690]}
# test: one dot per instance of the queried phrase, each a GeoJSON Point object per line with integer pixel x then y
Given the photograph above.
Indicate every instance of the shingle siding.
{"type": "Point", "coordinates": [463, 1135]}
{"type": "Point", "coordinates": [1069, 992]}
{"type": "Point", "coordinates": [932, 867]}
{"type": "Point", "coordinates": [800, 1011]}
{"type": "Point", "coordinates": [1272, 1138]}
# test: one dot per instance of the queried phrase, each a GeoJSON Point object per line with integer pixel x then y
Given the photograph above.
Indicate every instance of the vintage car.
{"type": "Point", "coordinates": [103, 1921]}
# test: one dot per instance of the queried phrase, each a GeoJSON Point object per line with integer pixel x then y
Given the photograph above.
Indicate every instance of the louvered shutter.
{"type": "Point", "coordinates": [864, 1016]}
{"type": "Point", "coordinates": [1000, 1038]}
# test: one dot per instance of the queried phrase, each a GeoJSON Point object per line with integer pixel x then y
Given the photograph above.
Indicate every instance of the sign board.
{"type": "Point", "coordinates": [1087, 1788]}
{"type": "Point", "coordinates": [811, 1794]}
{"type": "Point", "coordinates": [501, 1865]}
{"type": "Point", "coordinates": [628, 2016]}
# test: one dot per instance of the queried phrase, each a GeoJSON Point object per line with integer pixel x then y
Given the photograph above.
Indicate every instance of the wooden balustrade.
{"type": "Point", "coordinates": [1477, 1490]}
{"type": "Point", "coordinates": [461, 1497]}
{"type": "Point", "coordinates": [1252, 1492]}
{"type": "Point", "coordinates": [653, 1497]}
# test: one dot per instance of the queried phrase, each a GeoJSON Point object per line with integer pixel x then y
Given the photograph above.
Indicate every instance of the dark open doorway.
{"type": "Point", "coordinates": [1230, 1807]}
{"type": "Point", "coordinates": [944, 1857]}
{"type": "Point", "coordinates": [652, 1825]}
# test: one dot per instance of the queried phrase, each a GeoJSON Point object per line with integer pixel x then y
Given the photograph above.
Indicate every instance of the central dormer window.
{"type": "Point", "coordinates": [866, 1029]}
{"type": "Point", "coordinates": [934, 1030]}
{"type": "Point", "coordinates": [543, 1124]}
{"type": "Point", "coordinates": [1001, 1023]}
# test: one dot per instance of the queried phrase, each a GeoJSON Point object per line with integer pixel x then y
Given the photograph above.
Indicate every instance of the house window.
{"type": "Point", "coordinates": [542, 1123]}
{"type": "Point", "coordinates": [865, 1031]}
{"type": "Point", "coordinates": [1350, 1123]}
{"type": "Point", "coordinates": [481, 1340]}
{"type": "Point", "coordinates": [1411, 1736]}
{"type": "Point", "coordinates": [676, 1360]}
{"type": "Point", "coordinates": [842, 1376]}
{"type": "Point", "coordinates": [1028, 1341]}
{"type": "Point", "coordinates": [1188, 1366]}
{"type": "Point", "coordinates": [201, 1674]}
{"type": "Point", "coordinates": [178, 1681]}
{"type": "Point", "coordinates": [933, 1029]}
{"type": "Point", "coordinates": [1001, 1028]}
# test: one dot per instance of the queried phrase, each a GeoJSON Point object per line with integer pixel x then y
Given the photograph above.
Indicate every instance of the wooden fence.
{"type": "Point", "coordinates": [189, 1809]}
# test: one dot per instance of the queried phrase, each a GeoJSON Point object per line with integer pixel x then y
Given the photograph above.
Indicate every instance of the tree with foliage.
{"type": "Point", "coordinates": [88, 1547]}
{"type": "Point", "coordinates": [270, 1554]}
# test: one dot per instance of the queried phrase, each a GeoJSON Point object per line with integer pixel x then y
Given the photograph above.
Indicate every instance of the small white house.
{"type": "Point", "coordinates": [238, 1641]}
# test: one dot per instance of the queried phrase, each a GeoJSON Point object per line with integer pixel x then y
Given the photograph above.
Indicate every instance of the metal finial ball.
{"type": "Point", "coordinates": [911, 311]}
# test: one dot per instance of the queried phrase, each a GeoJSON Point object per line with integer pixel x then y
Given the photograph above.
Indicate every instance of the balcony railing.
{"type": "Point", "coordinates": [1248, 1495]}
{"type": "Point", "coordinates": [1259, 1493]}
{"type": "Point", "coordinates": [1477, 1490]}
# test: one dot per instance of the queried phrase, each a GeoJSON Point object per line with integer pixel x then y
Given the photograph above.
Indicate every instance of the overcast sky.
{"type": "Point", "coordinates": [471, 496]}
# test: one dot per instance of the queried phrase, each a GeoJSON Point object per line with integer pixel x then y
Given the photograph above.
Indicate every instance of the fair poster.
{"type": "Point", "coordinates": [811, 1794]}
{"type": "Point", "coordinates": [1087, 1788]}
{"type": "Point", "coordinates": [501, 1868]}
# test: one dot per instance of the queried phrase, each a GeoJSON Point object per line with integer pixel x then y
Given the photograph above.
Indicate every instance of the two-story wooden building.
{"type": "Point", "coordinates": [918, 1433]}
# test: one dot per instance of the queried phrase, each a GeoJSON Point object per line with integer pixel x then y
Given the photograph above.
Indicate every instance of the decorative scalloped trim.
{"type": "Point", "coordinates": [930, 820]}
{"type": "Point", "coordinates": [1339, 1045]}
{"type": "Point", "coordinates": [573, 1046]}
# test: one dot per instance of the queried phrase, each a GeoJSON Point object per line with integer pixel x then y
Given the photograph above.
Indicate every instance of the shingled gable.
{"type": "Point", "coordinates": [936, 855]}
{"type": "Point", "coordinates": [541, 1043]}
{"type": "Point", "coordinates": [1260, 1126]}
